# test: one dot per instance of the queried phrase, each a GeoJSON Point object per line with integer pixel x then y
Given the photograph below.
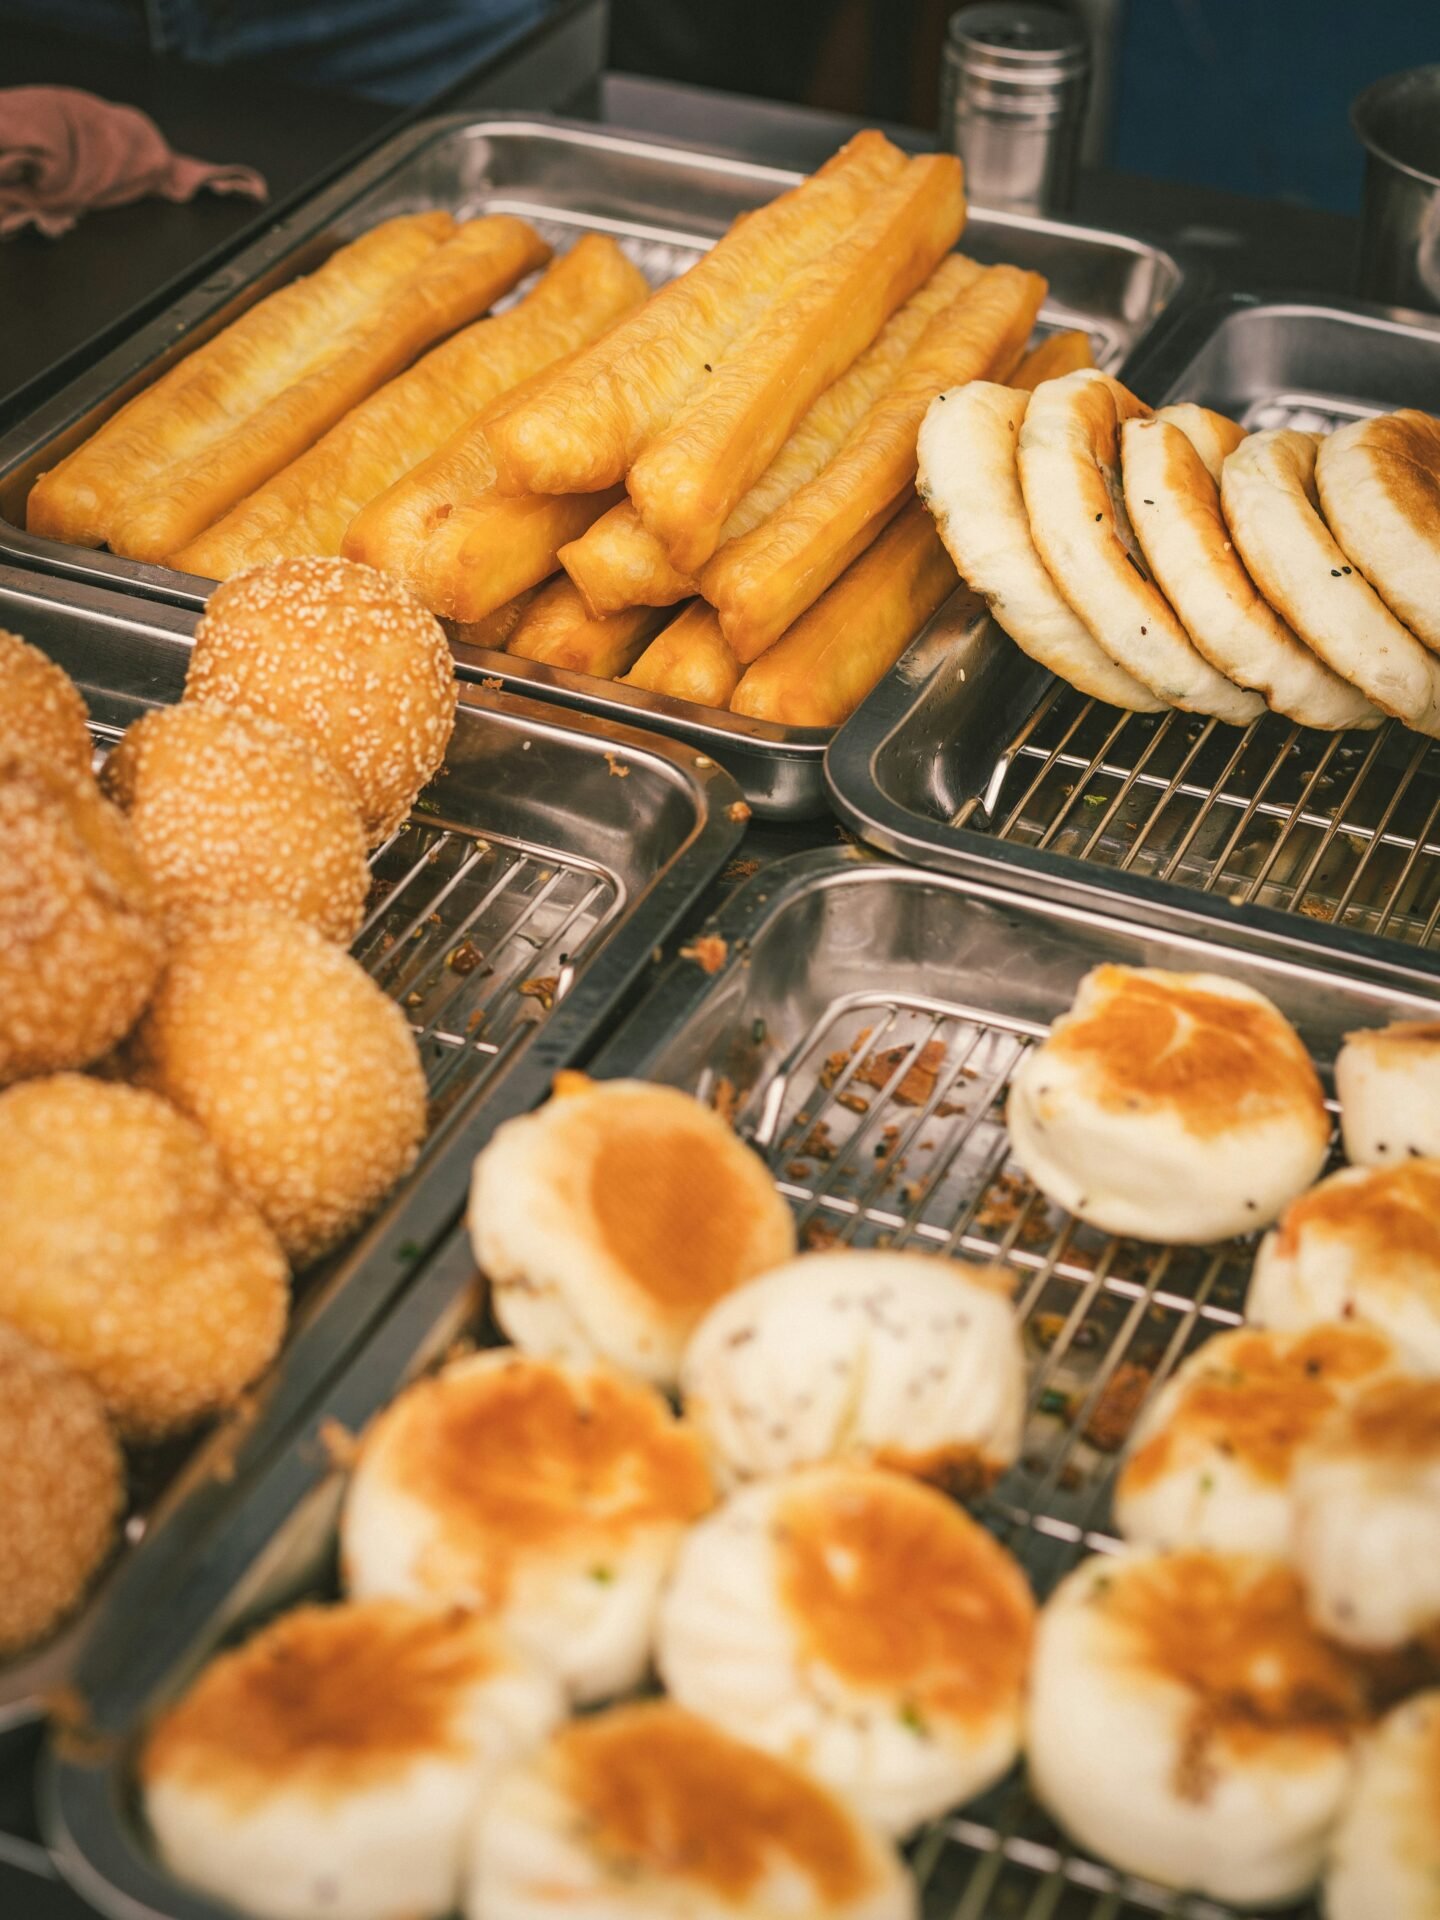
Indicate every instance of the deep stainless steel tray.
{"type": "Point", "coordinates": [565, 852]}
{"type": "Point", "coordinates": [953, 977]}
{"type": "Point", "coordinates": [666, 204]}
{"type": "Point", "coordinates": [970, 758]}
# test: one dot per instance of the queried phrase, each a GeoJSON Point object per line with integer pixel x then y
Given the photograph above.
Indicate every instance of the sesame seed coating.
{"type": "Point", "coordinates": [41, 711]}
{"type": "Point", "coordinates": [345, 655]}
{"type": "Point", "coordinates": [62, 1485]}
{"type": "Point", "coordinates": [232, 808]}
{"type": "Point", "coordinates": [80, 946]}
{"type": "Point", "coordinates": [129, 1255]}
{"type": "Point", "coordinates": [303, 1073]}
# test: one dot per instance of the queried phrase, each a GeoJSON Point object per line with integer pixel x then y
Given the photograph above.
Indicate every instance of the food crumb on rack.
{"type": "Point", "coordinates": [708, 952]}
{"type": "Point", "coordinates": [740, 869]}
{"type": "Point", "coordinates": [855, 1102]}
{"type": "Point", "coordinates": [543, 988]}
{"type": "Point", "coordinates": [817, 1143]}
{"type": "Point", "coordinates": [724, 1100]}
{"type": "Point", "coordinates": [1316, 910]}
{"type": "Point", "coordinates": [465, 958]}
{"type": "Point", "coordinates": [1114, 1413]}
{"type": "Point", "coordinates": [339, 1445]}
{"type": "Point", "coordinates": [493, 686]}
{"type": "Point", "coordinates": [817, 1237]}
{"type": "Point", "coordinates": [918, 1082]}
{"type": "Point", "coordinates": [617, 766]}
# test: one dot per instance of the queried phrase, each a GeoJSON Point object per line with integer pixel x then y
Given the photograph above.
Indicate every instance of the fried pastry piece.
{"type": "Point", "coordinates": [690, 478]}
{"type": "Point", "coordinates": [830, 659]}
{"type": "Point", "coordinates": [498, 546]}
{"type": "Point", "coordinates": [230, 377]}
{"type": "Point", "coordinates": [1058, 354]}
{"type": "Point", "coordinates": [557, 631]}
{"type": "Point", "coordinates": [583, 294]}
{"type": "Point", "coordinates": [494, 631]}
{"type": "Point", "coordinates": [306, 508]}
{"type": "Point", "coordinates": [582, 431]}
{"type": "Point", "coordinates": [761, 584]}
{"type": "Point", "coordinates": [1379, 485]}
{"type": "Point", "coordinates": [689, 660]}
{"type": "Point", "coordinates": [619, 563]}
{"type": "Point", "coordinates": [451, 287]}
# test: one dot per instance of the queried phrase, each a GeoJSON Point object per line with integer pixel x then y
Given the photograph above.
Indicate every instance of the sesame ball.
{"type": "Point", "coordinates": [41, 711]}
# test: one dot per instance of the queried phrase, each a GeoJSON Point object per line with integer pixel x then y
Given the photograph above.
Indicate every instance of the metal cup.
{"type": "Point", "coordinates": [1398, 120]}
{"type": "Point", "coordinates": [1012, 103]}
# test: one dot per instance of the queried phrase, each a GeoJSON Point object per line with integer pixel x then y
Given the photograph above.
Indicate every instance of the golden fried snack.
{"type": "Point", "coordinates": [557, 631]}
{"type": "Point", "coordinates": [80, 941]}
{"type": "Point", "coordinates": [761, 584]}
{"type": "Point", "coordinates": [302, 1072]}
{"type": "Point", "coordinates": [129, 1255]}
{"type": "Point", "coordinates": [1060, 353]}
{"type": "Point", "coordinates": [494, 631]}
{"type": "Point", "coordinates": [689, 660]}
{"type": "Point", "coordinates": [582, 430]}
{"type": "Point", "coordinates": [498, 546]}
{"type": "Point", "coordinates": [829, 660]}
{"type": "Point", "coordinates": [229, 378]}
{"type": "Point", "coordinates": [308, 505]}
{"type": "Point", "coordinates": [347, 658]}
{"type": "Point", "coordinates": [592, 287]}
{"type": "Point", "coordinates": [450, 287]}
{"type": "Point", "coordinates": [688, 480]}
{"type": "Point", "coordinates": [230, 809]}
{"type": "Point", "coordinates": [41, 709]}
{"type": "Point", "coordinates": [62, 1486]}
{"type": "Point", "coordinates": [619, 563]}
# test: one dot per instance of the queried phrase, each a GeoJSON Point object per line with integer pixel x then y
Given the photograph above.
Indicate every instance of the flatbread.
{"type": "Point", "coordinates": [1379, 487]}
{"type": "Point", "coordinates": [1213, 436]}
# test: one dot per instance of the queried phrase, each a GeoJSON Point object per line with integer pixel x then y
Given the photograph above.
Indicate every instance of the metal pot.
{"type": "Point", "coordinates": [1398, 120]}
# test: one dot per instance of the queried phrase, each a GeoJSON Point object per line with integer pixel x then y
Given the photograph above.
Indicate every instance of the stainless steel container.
{"type": "Point", "coordinates": [1013, 92]}
{"type": "Point", "coordinates": [1398, 119]}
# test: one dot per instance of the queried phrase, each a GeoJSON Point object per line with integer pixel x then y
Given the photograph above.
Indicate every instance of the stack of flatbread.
{"type": "Point", "coordinates": [1171, 559]}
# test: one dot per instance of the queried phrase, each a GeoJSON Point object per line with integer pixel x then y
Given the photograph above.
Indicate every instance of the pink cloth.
{"type": "Point", "coordinates": [63, 152]}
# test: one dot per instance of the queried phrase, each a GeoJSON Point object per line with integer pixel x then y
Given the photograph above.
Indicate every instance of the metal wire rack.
{"type": "Point", "coordinates": [884, 1125]}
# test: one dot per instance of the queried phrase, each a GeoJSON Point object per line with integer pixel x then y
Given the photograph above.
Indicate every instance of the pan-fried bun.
{"type": "Point", "coordinates": [862, 1624]}
{"type": "Point", "coordinates": [1385, 1857]}
{"type": "Point", "coordinates": [329, 1768]}
{"type": "Point", "coordinates": [648, 1813]}
{"type": "Point", "coordinates": [969, 480]}
{"type": "Point", "coordinates": [1388, 1080]}
{"type": "Point", "coordinates": [1069, 459]}
{"type": "Point", "coordinates": [609, 1221]}
{"type": "Point", "coordinates": [230, 809]}
{"type": "Point", "coordinates": [1188, 1724]}
{"type": "Point", "coordinates": [1211, 1461]}
{"type": "Point", "coordinates": [80, 941]}
{"type": "Point", "coordinates": [129, 1255]}
{"type": "Point", "coordinates": [551, 1498]}
{"type": "Point", "coordinates": [345, 655]}
{"type": "Point", "coordinates": [1367, 1517]}
{"type": "Point", "coordinates": [897, 1358]}
{"type": "Point", "coordinates": [1272, 510]}
{"type": "Point", "coordinates": [1211, 434]}
{"type": "Point", "coordinates": [41, 711]}
{"type": "Point", "coordinates": [1172, 1106]}
{"type": "Point", "coordinates": [62, 1486]}
{"type": "Point", "coordinates": [1174, 507]}
{"type": "Point", "coordinates": [1379, 487]}
{"type": "Point", "coordinates": [1363, 1245]}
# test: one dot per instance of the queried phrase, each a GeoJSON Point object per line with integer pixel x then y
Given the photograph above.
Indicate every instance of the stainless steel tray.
{"type": "Point", "coordinates": [565, 852]}
{"type": "Point", "coordinates": [969, 757]}
{"type": "Point", "coordinates": [666, 204]}
{"type": "Point", "coordinates": [952, 976]}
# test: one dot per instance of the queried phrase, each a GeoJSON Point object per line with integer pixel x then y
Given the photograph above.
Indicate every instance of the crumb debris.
{"type": "Point", "coordinates": [617, 767]}
{"type": "Point", "coordinates": [340, 1446]}
{"type": "Point", "coordinates": [709, 952]}
{"type": "Point", "coordinates": [724, 1100]}
{"type": "Point", "coordinates": [739, 812]}
{"type": "Point", "coordinates": [543, 988]}
{"type": "Point", "coordinates": [740, 869]}
{"type": "Point", "coordinates": [1109, 1424]}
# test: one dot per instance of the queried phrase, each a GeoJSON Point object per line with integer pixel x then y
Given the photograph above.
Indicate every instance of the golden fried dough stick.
{"type": "Point", "coordinates": [308, 505]}
{"type": "Point", "coordinates": [1060, 353]}
{"type": "Point", "coordinates": [592, 287]}
{"type": "Point", "coordinates": [583, 430]}
{"type": "Point", "coordinates": [689, 479]}
{"type": "Point", "coordinates": [498, 545]}
{"type": "Point", "coordinates": [618, 563]}
{"type": "Point", "coordinates": [689, 660]}
{"type": "Point", "coordinates": [450, 287]}
{"type": "Point", "coordinates": [821, 670]}
{"type": "Point", "coordinates": [229, 378]}
{"type": "Point", "coordinates": [557, 631]}
{"type": "Point", "coordinates": [760, 585]}
{"type": "Point", "coordinates": [494, 631]}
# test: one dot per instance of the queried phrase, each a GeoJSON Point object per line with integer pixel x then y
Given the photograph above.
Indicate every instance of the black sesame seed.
{"type": "Point", "coordinates": [1099, 516]}
{"type": "Point", "coordinates": [1334, 573]}
{"type": "Point", "coordinates": [1347, 569]}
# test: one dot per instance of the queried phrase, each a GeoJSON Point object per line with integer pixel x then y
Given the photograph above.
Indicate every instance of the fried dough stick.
{"type": "Point", "coordinates": [690, 478]}
{"type": "Point", "coordinates": [619, 563]}
{"type": "Point", "coordinates": [227, 379]}
{"type": "Point", "coordinates": [556, 630]}
{"type": "Point", "coordinates": [498, 545]}
{"type": "Point", "coordinates": [819, 672]}
{"type": "Point", "coordinates": [760, 585]}
{"type": "Point", "coordinates": [308, 505]}
{"type": "Point", "coordinates": [1059, 354]}
{"type": "Point", "coordinates": [689, 660]}
{"type": "Point", "coordinates": [582, 431]}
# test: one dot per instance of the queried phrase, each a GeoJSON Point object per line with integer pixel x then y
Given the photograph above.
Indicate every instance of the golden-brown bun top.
{"type": "Point", "coordinates": [663, 1792]}
{"type": "Point", "coordinates": [323, 1702]}
{"type": "Point", "coordinates": [894, 1587]}
{"type": "Point", "coordinates": [1213, 435]}
{"type": "Point", "coordinates": [41, 710]}
{"type": "Point", "coordinates": [1260, 1395]}
{"type": "Point", "coordinates": [1391, 1420]}
{"type": "Point", "coordinates": [1401, 452]}
{"type": "Point", "coordinates": [1383, 1214]}
{"type": "Point", "coordinates": [1402, 1043]}
{"type": "Point", "coordinates": [1208, 1050]}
